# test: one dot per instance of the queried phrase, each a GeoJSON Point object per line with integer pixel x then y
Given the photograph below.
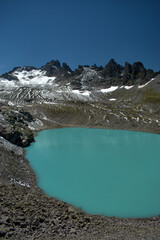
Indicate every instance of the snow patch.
{"type": "Point", "coordinates": [86, 93]}
{"type": "Point", "coordinates": [7, 84]}
{"type": "Point", "coordinates": [111, 89]}
{"type": "Point", "coordinates": [128, 87]}
{"type": "Point", "coordinates": [112, 99]}
{"type": "Point", "coordinates": [141, 86]}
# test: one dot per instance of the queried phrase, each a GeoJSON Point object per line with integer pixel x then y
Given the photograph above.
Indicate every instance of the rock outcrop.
{"type": "Point", "coordinates": [112, 70]}
{"type": "Point", "coordinates": [14, 126]}
{"type": "Point", "coordinates": [54, 68]}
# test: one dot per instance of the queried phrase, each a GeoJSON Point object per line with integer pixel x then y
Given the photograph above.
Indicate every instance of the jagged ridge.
{"type": "Point", "coordinates": [111, 74]}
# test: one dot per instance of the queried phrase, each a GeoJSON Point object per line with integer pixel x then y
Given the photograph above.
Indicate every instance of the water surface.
{"type": "Point", "coordinates": [108, 172]}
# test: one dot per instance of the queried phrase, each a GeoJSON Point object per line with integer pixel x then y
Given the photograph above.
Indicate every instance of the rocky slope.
{"type": "Point", "coordinates": [55, 83]}
{"type": "Point", "coordinates": [32, 99]}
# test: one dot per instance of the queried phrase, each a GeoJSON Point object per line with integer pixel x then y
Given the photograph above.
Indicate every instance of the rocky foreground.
{"type": "Point", "coordinates": [54, 96]}
{"type": "Point", "coordinates": [29, 214]}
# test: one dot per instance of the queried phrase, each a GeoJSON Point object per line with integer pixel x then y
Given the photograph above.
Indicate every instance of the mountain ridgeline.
{"type": "Point", "coordinates": [112, 74]}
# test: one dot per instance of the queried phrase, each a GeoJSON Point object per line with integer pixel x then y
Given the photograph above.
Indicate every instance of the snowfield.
{"type": "Point", "coordinates": [33, 77]}
{"type": "Point", "coordinates": [27, 78]}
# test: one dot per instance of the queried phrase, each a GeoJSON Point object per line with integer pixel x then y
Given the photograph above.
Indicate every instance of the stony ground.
{"type": "Point", "coordinates": [29, 214]}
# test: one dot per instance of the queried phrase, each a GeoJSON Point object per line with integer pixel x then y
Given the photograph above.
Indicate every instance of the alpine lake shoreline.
{"type": "Point", "coordinates": [27, 213]}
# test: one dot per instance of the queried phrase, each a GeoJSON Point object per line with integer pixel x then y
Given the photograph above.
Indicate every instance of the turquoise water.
{"type": "Point", "coordinates": [107, 172]}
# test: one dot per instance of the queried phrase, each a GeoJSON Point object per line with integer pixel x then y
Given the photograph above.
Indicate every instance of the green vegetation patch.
{"type": "Point", "coordinates": [149, 96]}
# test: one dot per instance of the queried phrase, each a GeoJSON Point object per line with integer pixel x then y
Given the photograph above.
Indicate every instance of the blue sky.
{"type": "Point", "coordinates": [32, 32]}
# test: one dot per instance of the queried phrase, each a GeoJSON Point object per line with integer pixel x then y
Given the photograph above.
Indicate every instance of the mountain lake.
{"type": "Point", "coordinates": [105, 172]}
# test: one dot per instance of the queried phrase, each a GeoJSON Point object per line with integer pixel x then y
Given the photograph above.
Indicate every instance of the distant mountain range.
{"type": "Point", "coordinates": [60, 82]}
{"type": "Point", "coordinates": [112, 74]}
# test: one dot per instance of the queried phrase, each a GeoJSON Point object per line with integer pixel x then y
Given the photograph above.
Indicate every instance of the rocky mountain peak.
{"type": "Point", "coordinates": [52, 68]}
{"type": "Point", "coordinates": [138, 70]}
{"type": "Point", "coordinates": [66, 69]}
{"type": "Point", "coordinates": [10, 75]}
{"type": "Point", "coordinates": [95, 67]}
{"type": "Point", "coordinates": [127, 68]}
{"type": "Point", "coordinates": [54, 63]}
{"type": "Point", "coordinates": [127, 73]}
{"type": "Point", "coordinates": [79, 70]}
{"type": "Point", "coordinates": [112, 69]}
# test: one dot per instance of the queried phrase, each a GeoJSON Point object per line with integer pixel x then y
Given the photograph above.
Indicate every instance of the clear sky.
{"type": "Point", "coordinates": [33, 32]}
